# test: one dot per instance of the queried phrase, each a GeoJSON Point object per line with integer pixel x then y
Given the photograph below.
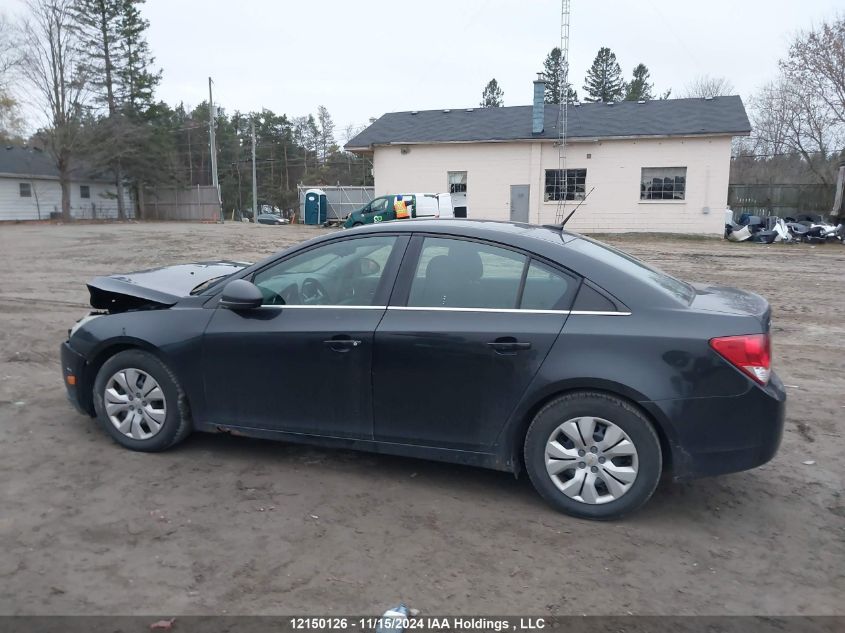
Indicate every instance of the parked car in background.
{"type": "Point", "coordinates": [418, 205]}
{"type": "Point", "coordinates": [271, 218]}
{"type": "Point", "coordinates": [553, 354]}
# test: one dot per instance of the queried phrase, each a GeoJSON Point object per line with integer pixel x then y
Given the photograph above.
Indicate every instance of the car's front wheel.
{"type": "Point", "coordinates": [140, 403]}
{"type": "Point", "coordinates": [593, 455]}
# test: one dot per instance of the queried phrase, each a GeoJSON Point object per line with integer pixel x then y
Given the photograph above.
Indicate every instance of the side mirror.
{"type": "Point", "coordinates": [367, 267]}
{"type": "Point", "coordinates": [240, 294]}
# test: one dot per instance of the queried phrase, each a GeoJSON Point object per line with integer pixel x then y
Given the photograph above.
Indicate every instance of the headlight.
{"type": "Point", "coordinates": [88, 317]}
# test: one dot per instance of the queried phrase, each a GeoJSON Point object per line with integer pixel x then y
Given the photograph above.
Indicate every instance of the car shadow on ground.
{"type": "Point", "coordinates": [671, 500]}
{"type": "Point", "coordinates": [740, 497]}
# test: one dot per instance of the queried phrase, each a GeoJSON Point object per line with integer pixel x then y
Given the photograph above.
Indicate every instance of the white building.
{"type": "Point", "coordinates": [30, 190]}
{"type": "Point", "coordinates": [643, 166]}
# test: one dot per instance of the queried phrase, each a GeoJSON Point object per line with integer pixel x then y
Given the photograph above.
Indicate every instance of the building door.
{"type": "Point", "coordinates": [519, 203]}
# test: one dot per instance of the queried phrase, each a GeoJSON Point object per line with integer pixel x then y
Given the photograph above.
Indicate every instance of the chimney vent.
{"type": "Point", "coordinates": [538, 112]}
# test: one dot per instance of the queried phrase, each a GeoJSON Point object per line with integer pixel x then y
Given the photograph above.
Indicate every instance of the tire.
{"type": "Point", "coordinates": [581, 491]}
{"type": "Point", "coordinates": [354, 224]}
{"type": "Point", "coordinates": [169, 411]}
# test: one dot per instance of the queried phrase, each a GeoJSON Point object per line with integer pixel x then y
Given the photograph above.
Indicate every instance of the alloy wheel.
{"type": "Point", "coordinates": [591, 460]}
{"type": "Point", "coordinates": [135, 403]}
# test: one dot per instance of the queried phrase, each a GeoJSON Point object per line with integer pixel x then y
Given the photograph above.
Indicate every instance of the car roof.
{"type": "Point", "coordinates": [508, 232]}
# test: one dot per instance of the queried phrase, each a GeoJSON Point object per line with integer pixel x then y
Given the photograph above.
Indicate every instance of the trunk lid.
{"type": "Point", "coordinates": [157, 287]}
{"type": "Point", "coordinates": [733, 301]}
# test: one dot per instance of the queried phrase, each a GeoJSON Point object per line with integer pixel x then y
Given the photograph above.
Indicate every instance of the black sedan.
{"type": "Point", "coordinates": [506, 346]}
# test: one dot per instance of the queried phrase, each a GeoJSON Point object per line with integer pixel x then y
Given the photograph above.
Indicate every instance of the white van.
{"type": "Point", "coordinates": [419, 205]}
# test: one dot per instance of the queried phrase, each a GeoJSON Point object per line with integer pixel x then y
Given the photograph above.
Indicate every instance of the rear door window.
{"type": "Point", "coordinates": [454, 273]}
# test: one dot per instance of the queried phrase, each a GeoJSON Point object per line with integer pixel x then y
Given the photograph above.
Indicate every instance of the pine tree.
{"type": "Point", "coordinates": [97, 26]}
{"type": "Point", "coordinates": [137, 82]}
{"type": "Point", "coordinates": [491, 96]}
{"type": "Point", "coordinates": [307, 136]}
{"type": "Point", "coordinates": [604, 78]}
{"type": "Point", "coordinates": [111, 40]}
{"type": "Point", "coordinates": [639, 89]}
{"type": "Point", "coordinates": [553, 70]}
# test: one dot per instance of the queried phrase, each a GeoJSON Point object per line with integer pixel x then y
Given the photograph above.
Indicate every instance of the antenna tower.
{"type": "Point", "coordinates": [561, 122]}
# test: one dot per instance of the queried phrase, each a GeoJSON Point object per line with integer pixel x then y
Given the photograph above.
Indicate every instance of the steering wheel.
{"type": "Point", "coordinates": [313, 292]}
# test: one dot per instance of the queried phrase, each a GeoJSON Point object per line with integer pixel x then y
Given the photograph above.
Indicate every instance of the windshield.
{"type": "Point", "coordinates": [623, 261]}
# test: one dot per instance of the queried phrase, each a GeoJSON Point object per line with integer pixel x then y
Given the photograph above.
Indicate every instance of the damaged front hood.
{"type": "Point", "coordinates": [158, 287]}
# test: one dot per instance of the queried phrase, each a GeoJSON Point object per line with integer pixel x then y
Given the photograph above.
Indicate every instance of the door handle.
{"type": "Point", "coordinates": [508, 345]}
{"type": "Point", "coordinates": [342, 344]}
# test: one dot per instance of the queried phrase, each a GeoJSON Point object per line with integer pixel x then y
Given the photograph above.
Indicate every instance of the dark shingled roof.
{"type": "Point", "coordinates": [669, 117]}
{"type": "Point", "coordinates": [26, 161]}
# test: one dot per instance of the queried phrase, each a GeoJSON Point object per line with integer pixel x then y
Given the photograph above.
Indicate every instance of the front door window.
{"type": "Point", "coordinates": [345, 272]}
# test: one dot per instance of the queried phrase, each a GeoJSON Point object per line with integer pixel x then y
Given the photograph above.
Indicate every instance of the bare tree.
{"type": "Point", "coordinates": [10, 121]}
{"type": "Point", "coordinates": [816, 61]}
{"type": "Point", "coordinates": [789, 119]}
{"type": "Point", "coordinates": [705, 86]}
{"type": "Point", "coordinates": [9, 57]}
{"type": "Point", "coordinates": [326, 134]}
{"type": "Point", "coordinates": [799, 119]}
{"type": "Point", "coordinates": [51, 66]}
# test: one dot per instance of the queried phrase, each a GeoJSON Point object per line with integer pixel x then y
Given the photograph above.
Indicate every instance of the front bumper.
{"type": "Point", "coordinates": [73, 367]}
{"type": "Point", "coordinates": [714, 436]}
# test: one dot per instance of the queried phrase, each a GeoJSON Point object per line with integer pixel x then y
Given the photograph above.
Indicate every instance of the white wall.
{"type": "Point", "coordinates": [47, 197]}
{"type": "Point", "coordinates": [614, 169]}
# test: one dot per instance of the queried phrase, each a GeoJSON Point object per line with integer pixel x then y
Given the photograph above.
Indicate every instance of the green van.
{"type": "Point", "coordinates": [420, 205]}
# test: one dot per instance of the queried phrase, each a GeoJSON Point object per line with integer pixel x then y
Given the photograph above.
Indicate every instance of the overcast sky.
{"type": "Point", "coordinates": [364, 58]}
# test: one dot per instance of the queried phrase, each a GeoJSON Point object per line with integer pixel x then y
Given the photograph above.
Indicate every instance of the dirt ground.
{"type": "Point", "coordinates": [231, 525]}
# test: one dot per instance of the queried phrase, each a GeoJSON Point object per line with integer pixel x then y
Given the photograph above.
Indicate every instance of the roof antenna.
{"type": "Point", "coordinates": [571, 213]}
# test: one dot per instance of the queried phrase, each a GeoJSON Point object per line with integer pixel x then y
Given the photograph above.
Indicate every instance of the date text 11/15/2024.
{"type": "Point", "coordinates": [421, 623]}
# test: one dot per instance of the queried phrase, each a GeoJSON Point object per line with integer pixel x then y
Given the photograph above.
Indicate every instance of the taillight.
{"type": "Point", "coordinates": [751, 353]}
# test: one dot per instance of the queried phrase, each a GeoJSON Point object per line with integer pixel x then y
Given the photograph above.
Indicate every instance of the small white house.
{"type": "Point", "coordinates": [30, 190]}
{"type": "Point", "coordinates": [642, 166]}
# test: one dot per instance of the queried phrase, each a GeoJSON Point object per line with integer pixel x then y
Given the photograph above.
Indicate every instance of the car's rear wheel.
{"type": "Point", "coordinates": [140, 403]}
{"type": "Point", "coordinates": [354, 224]}
{"type": "Point", "coordinates": [593, 455]}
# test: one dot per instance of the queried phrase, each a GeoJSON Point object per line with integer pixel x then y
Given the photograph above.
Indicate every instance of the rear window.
{"type": "Point", "coordinates": [675, 288]}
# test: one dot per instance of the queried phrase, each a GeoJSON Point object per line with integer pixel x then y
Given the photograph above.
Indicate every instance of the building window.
{"type": "Point", "coordinates": [457, 181]}
{"type": "Point", "coordinates": [663, 183]}
{"type": "Point", "coordinates": [566, 184]}
{"type": "Point", "coordinates": [26, 190]}
{"type": "Point", "coordinates": [84, 191]}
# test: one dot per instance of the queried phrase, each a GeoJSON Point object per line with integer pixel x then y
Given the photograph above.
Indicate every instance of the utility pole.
{"type": "Point", "coordinates": [254, 181]}
{"type": "Point", "coordinates": [212, 116]}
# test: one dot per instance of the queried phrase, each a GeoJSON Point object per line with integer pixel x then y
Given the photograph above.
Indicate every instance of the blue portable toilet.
{"type": "Point", "coordinates": [316, 206]}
